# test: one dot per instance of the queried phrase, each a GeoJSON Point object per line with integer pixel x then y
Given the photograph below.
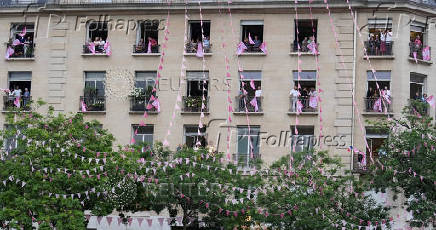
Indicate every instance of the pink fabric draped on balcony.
{"type": "Point", "coordinates": [156, 104]}
{"type": "Point", "coordinates": [107, 48]}
{"type": "Point", "coordinates": [17, 102]}
{"type": "Point", "coordinates": [263, 48]}
{"type": "Point", "coordinates": [377, 105]}
{"type": "Point", "coordinates": [23, 32]}
{"type": "Point", "coordinates": [149, 48]}
{"type": "Point", "coordinates": [200, 52]}
{"type": "Point", "coordinates": [241, 48]}
{"type": "Point", "coordinates": [299, 107]}
{"type": "Point", "coordinates": [254, 104]}
{"type": "Point", "coordinates": [252, 84]}
{"type": "Point", "coordinates": [91, 47]}
{"type": "Point", "coordinates": [426, 54]}
{"type": "Point", "coordinates": [9, 52]}
{"type": "Point", "coordinates": [313, 103]}
{"type": "Point", "coordinates": [83, 105]}
{"type": "Point", "coordinates": [16, 42]}
{"type": "Point", "coordinates": [312, 48]}
{"type": "Point", "coordinates": [430, 101]}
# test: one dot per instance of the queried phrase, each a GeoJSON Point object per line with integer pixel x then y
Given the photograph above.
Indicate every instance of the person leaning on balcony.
{"type": "Point", "coordinates": [140, 46]}
{"type": "Point", "coordinates": [257, 42]}
{"type": "Point", "coordinates": [304, 94]}
{"type": "Point", "coordinates": [258, 95]}
{"type": "Point", "coordinates": [383, 42]}
{"type": "Point", "coordinates": [294, 98]}
{"type": "Point", "coordinates": [377, 44]}
{"type": "Point", "coordinates": [304, 44]}
{"type": "Point", "coordinates": [206, 44]}
{"type": "Point", "coordinates": [417, 44]}
{"type": "Point", "coordinates": [242, 100]}
{"type": "Point", "coordinates": [26, 96]}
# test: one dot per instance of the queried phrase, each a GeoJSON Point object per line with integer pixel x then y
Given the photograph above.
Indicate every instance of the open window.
{"type": "Point", "coordinates": [196, 87]}
{"type": "Point", "coordinates": [198, 34]}
{"type": "Point", "coordinates": [147, 33]}
{"type": "Point", "coordinates": [307, 89]}
{"type": "Point", "coordinates": [377, 99]}
{"type": "Point", "coordinates": [97, 34]}
{"type": "Point", "coordinates": [380, 37]}
{"type": "Point", "coordinates": [248, 80]}
{"type": "Point", "coordinates": [375, 138]}
{"type": "Point", "coordinates": [144, 85]}
{"type": "Point", "coordinates": [19, 84]}
{"type": "Point", "coordinates": [306, 34]}
{"type": "Point", "coordinates": [248, 144]}
{"type": "Point", "coordinates": [143, 134]}
{"type": "Point", "coordinates": [418, 41]}
{"type": "Point", "coordinates": [21, 42]}
{"type": "Point", "coordinates": [418, 95]}
{"type": "Point", "coordinates": [252, 29]}
{"type": "Point", "coordinates": [193, 135]}
{"type": "Point", "coordinates": [94, 92]}
{"type": "Point", "coordinates": [304, 140]}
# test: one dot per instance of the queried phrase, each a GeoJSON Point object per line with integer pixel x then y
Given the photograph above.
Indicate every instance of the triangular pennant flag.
{"type": "Point", "coordinates": [109, 220]}
{"type": "Point", "coordinates": [150, 222]}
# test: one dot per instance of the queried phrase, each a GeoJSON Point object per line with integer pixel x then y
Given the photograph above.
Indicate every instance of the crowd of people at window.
{"type": "Point", "coordinates": [97, 45]}
{"type": "Point", "coordinates": [198, 45]}
{"type": "Point", "coordinates": [17, 98]}
{"type": "Point", "coordinates": [303, 99]}
{"type": "Point", "coordinates": [378, 100]}
{"type": "Point", "coordinates": [251, 45]}
{"type": "Point", "coordinates": [307, 45]}
{"type": "Point", "coordinates": [380, 43]}
{"type": "Point", "coordinates": [248, 101]}
{"type": "Point", "coordinates": [21, 46]}
{"type": "Point", "coordinates": [150, 46]}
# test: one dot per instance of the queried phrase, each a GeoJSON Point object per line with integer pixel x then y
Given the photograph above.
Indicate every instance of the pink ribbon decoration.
{"type": "Point", "coordinates": [149, 47]}
{"type": "Point", "coordinates": [414, 57]}
{"type": "Point", "coordinates": [9, 52]}
{"type": "Point", "coordinates": [16, 42]}
{"type": "Point", "coordinates": [83, 105]}
{"type": "Point", "coordinates": [23, 32]}
{"type": "Point", "coordinates": [91, 47]}
{"type": "Point", "coordinates": [107, 48]}
{"type": "Point", "coordinates": [241, 48]}
{"type": "Point", "coordinates": [263, 48]}
{"type": "Point", "coordinates": [430, 100]}
{"type": "Point", "coordinates": [426, 54]}
{"type": "Point", "coordinates": [254, 103]}
{"type": "Point", "coordinates": [299, 107]}
{"type": "Point", "coordinates": [252, 84]}
{"type": "Point", "coordinates": [250, 40]}
{"type": "Point", "coordinates": [200, 52]}
{"type": "Point", "coordinates": [17, 102]}
{"type": "Point", "coordinates": [313, 102]}
{"type": "Point", "coordinates": [156, 104]}
{"type": "Point", "coordinates": [377, 105]}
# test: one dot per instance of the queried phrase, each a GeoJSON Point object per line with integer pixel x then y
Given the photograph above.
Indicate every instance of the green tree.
{"type": "Point", "coordinates": [315, 195]}
{"type": "Point", "coordinates": [54, 154]}
{"type": "Point", "coordinates": [196, 187]}
{"type": "Point", "coordinates": [408, 163]}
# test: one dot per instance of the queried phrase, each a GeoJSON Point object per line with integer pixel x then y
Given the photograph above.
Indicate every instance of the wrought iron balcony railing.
{"type": "Point", "coordinates": [309, 105]}
{"type": "Point", "coordinates": [420, 52]}
{"type": "Point", "coordinates": [144, 49]}
{"type": "Point", "coordinates": [11, 103]}
{"type": "Point", "coordinates": [26, 50]}
{"type": "Point", "coordinates": [93, 103]}
{"type": "Point", "coordinates": [193, 48]}
{"type": "Point", "coordinates": [250, 104]}
{"type": "Point", "coordinates": [303, 48]}
{"type": "Point", "coordinates": [139, 104]}
{"type": "Point", "coordinates": [378, 105]}
{"type": "Point", "coordinates": [378, 49]}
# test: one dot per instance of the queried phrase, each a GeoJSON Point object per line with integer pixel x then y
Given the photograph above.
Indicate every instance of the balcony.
{"type": "Point", "coordinates": [249, 105]}
{"type": "Point", "coordinates": [9, 103]}
{"type": "Point", "coordinates": [142, 50]}
{"type": "Point", "coordinates": [99, 51]}
{"type": "Point", "coordinates": [192, 49]}
{"type": "Point", "coordinates": [307, 107]}
{"type": "Point", "coordinates": [304, 50]}
{"type": "Point", "coordinates": [93, 103]}
{"type": "Point", "coordinates": [377, 105]}
{"type": "Point", "coordinates": [139, 104]}
{"type": "Point", "coordinates": [377, 51]}
{"type": "Point", "coordinates": [423, 55]}
{"type": "Point", "coordinates": [21, 52]}
{"type": "Point", "coordinates": [192, 104]}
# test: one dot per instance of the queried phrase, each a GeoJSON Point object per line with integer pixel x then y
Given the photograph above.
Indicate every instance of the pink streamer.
{"type": "Point", "coordinates": [107, 48]}
{"type": "Point", "coordinates": [9, 52]}
{"type": "Point", "coordinates": [250, 40]}
{"type": "Point", "coordinates": [241, 48]}
{"type": "Point", "coordinates": [149, 47]}
{"type": "Point", "coordinates": [17, 102]}
{"type": "Point", "coordinates": [200, 52]}
{"type": "Point", "coordinates": [263, 48]}
{"type": "Point", "coordinates": [83, 105]}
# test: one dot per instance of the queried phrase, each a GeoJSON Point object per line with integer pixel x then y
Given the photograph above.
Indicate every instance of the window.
{"type": "Point", "coordinates": [21, 40]}
{"type": "Point", "coordinates": [143, 134]}
{"type": "Point", "coordinates": [306, 34]}
{"type": "Point", "coordinates": [196, 34]}
{"type": "Point", "coordinates": [418, 41]}
{"type": "Point", "coordinates": [97, 33]}
{"type": "Point", "coordinates": [20, 86]}
{"type": "Point", "coordinates": [375, 102]}
{"type": "Point", "coordinates": [380, 36]}
{"type": "Point", "coordinates": [248, 80]}
{"type": "Point", "coordinates": [196, 82]}
{"type": "Point", "coordinates": [145, 80]}
{"type": "Point", "coordinates": [194, 135]}
{"type": "Point", "coordinates": [417, 85]}
{"type": "Point", "coordinates": [94, 84]}
{"type": "Point", "coordinates": [304, 140]}
{"type": "Point", "coordinates": [248, 142]}
{"type": "Point", "coordinates": [307, 83]}
{"type": "Point", "coordinates": [417, 29]}
{"type": "Point", "coordinates": [148, 32]}
{"type": "Point", "coordinates": [252, 29]}
{"type": "Point", "coordinates": [375, 138]}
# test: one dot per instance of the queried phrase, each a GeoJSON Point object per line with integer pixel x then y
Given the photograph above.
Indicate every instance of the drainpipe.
{"type": "Point", "coordinates": [354, 90]}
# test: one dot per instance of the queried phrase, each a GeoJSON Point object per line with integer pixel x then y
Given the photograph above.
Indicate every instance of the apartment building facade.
{"type": "Point", "coordinates": [51, 50]}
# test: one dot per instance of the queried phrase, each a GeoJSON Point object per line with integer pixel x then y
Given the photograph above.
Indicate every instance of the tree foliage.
{"type": "Point", "coordinates": [408, 165]}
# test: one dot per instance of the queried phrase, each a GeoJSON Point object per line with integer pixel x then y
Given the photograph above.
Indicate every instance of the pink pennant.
{"type": "Point", "coordinates": [161, 220]}
{"type": "Point", "coordinates": [109, 220]}
{"type": "Point", "coordinates": [91, 47]}
{"type": "Point", "coordinates": [107, 48]}
{"type": "Point", "coordinates": [431, 101]}
{"type": "Point", "coordinates": [9, 52]}
{"type": "Point", "coordinates": [99, 218]}
{"type": "Point", "coordinates": [140, 219]}
{"type": "Point", "coordinates": [23, 32]}
{"type": "Point", "coordinates": [254, 104]}
{"type": "Point", "coordinates": [88, 217]}
{"type": "Point", "coordinates": [119, 220]}
{"type": "Point", "coordinates": [263, 48]}
{"type": "Point", "coordinates": [250, 40]}
{"type": "Point", "coordinates": [200, 52]}
{"type": "Point", "coordinates": [241, 48]}
{"type": "Point", "coordinates": [150, 222]}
